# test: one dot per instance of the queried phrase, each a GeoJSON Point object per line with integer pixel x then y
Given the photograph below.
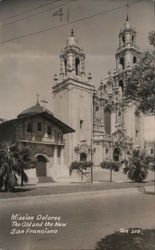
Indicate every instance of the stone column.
{"type": "Point", "coordinates": [62, 156]}
{"type": "Point", "coordinates": [83, 64]}
{"type": "Point", "coordinates": [45, 130]}
{"type": "Point", "coordinates": [55, 155]}
{"type": "Point", "coordinates": [101, 113]}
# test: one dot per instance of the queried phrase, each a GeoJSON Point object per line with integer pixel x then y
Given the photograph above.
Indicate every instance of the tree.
{"type": "Point", "coordinates": [80, 166]}
{"type": "Point", "coordinates": [111, 165]}
{"type": "Point", "coordinates": [13, 164]}
{"type": "Point", "coordinates": [136, 167]}
{"type": "Point", "coordinates": [140, 82]}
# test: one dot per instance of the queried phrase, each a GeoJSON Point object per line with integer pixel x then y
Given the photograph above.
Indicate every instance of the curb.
{"type": "Point", "coordinates": [100, 192]}
{"type": "Point", "coordinates": [68, 195]}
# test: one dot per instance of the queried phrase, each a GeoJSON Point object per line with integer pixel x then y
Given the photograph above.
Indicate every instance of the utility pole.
{"type": "Point", "coordinates": [91, 160]}
{"type": "Point", "coordinates": [154, 13]}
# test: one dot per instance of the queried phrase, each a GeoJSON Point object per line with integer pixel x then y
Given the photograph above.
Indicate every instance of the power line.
{"type": "Point", "coordinates": [26, 11]}
{"type": "Point", "coordinates": [65, 24]}
{"type": "Point", "coordinates": [104, 12]}
{"type": "Point", "coordinates": [38, 13]}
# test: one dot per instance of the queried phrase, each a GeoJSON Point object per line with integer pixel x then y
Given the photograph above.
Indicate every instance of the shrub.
{"type": "Point", "coordinates": [131, 239]}
{"type": "Point", "coordinates": [112, 165]}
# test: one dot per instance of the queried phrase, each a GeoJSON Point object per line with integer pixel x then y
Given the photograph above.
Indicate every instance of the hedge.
{"type": "Point", "coordinates": [80, 165]}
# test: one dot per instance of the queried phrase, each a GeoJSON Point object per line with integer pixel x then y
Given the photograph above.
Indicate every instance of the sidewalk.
{"type": "Point", "coordinates": [64, 188]}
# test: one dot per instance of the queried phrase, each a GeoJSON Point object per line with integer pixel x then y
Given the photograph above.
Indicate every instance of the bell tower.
{"type": "Point", "coordinates": [72, 58]}
{"type": "Point", "coordinates": [127, 53]}
{"type": "Point", "coordinates": [73, 100]}
{"type": "Point", "coordinates": [127, 56]}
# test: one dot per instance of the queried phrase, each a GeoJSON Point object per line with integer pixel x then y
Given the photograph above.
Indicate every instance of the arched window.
{"type": "Point", "coordinates": [121, 84]}
{"type": "Point", "coordinates": [132, 39]}
{"type": "Point", "coordinates": [123, 39]}
{"type": "Point", "coordinates": [134, 59]}
{"type": "Point", "coordinates": [97, 112]}
{"type": "Point", "coordinates": [29, 127]}
{"type": "Point", "coordinates": [65, 63]}
{"type": "Point", "coordinates": [107, 121]}
{"type": "Point", "coordinates": [77, 62]}
{"type": "Point", "coordinates": [122, 62]}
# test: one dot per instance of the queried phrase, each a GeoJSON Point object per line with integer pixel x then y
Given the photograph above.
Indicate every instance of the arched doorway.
{"type": "Point", "coordinates": [116, 154]}
{"type": "Point", "coordinates": [83, 157]}
{"type": "Point", "coordinates": [41, 166]}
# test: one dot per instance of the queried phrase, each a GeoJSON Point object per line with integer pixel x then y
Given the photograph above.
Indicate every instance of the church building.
{"type": "Point", "coordinates": [37, 130]}
{"type": "Point", "coordinates": [106, 130]}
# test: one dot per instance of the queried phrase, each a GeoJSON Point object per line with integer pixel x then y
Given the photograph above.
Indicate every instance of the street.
{"type": "Point", "coordinates": [83, 218]}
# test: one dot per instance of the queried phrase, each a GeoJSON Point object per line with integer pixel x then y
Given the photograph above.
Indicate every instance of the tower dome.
{"type": "Point", "coordinates": [127, 24]}
{"type": "Point", "coordinates": [72, 41]}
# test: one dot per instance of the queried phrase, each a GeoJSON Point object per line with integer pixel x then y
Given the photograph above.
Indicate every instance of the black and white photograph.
{"type": "Point", "coordinates": [77, 124]}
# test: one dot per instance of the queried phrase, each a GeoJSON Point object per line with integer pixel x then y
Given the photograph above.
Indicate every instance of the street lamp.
{"type": "Point", "coordinates": [92, 151]}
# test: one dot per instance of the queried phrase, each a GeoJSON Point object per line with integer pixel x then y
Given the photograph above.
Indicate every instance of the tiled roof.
{"type": "Point", "coordinates": [34, 110]}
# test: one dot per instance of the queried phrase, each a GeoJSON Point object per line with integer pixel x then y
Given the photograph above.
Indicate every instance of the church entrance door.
{"type": "Point", "coordinates": [41, 166]}
{"type": "Point", "coordinates": [116, 154]}
{"type": "Point", "coordinates": [83, 157]}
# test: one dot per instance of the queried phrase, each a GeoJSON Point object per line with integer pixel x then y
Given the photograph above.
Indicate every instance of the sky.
{"type": "Point", "coordinates": [29, 62]}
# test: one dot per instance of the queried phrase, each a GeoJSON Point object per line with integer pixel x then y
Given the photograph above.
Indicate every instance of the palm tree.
{"type": "Point", "coordinates": [136, 167]}
{"type": "Point", "coordinates": [12, 164]}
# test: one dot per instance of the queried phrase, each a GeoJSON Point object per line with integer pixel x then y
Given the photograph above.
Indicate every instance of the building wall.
{"type": "Point", "coordinates": [36, 135]}
{"type": "Point", "coordinates": [73, 105]}
{"type": "Point", "coordinates": [134, 125]}
{"type": "Point", "coordinates": [99, 154]}
{"type": "Point", "coordinates": [61, 102]}
{"type": "Point", "coordinates": [81, 113]}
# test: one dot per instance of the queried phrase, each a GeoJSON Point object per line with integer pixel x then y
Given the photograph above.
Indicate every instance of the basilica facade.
{"type": "Point", "coordinates": [106, 130]}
